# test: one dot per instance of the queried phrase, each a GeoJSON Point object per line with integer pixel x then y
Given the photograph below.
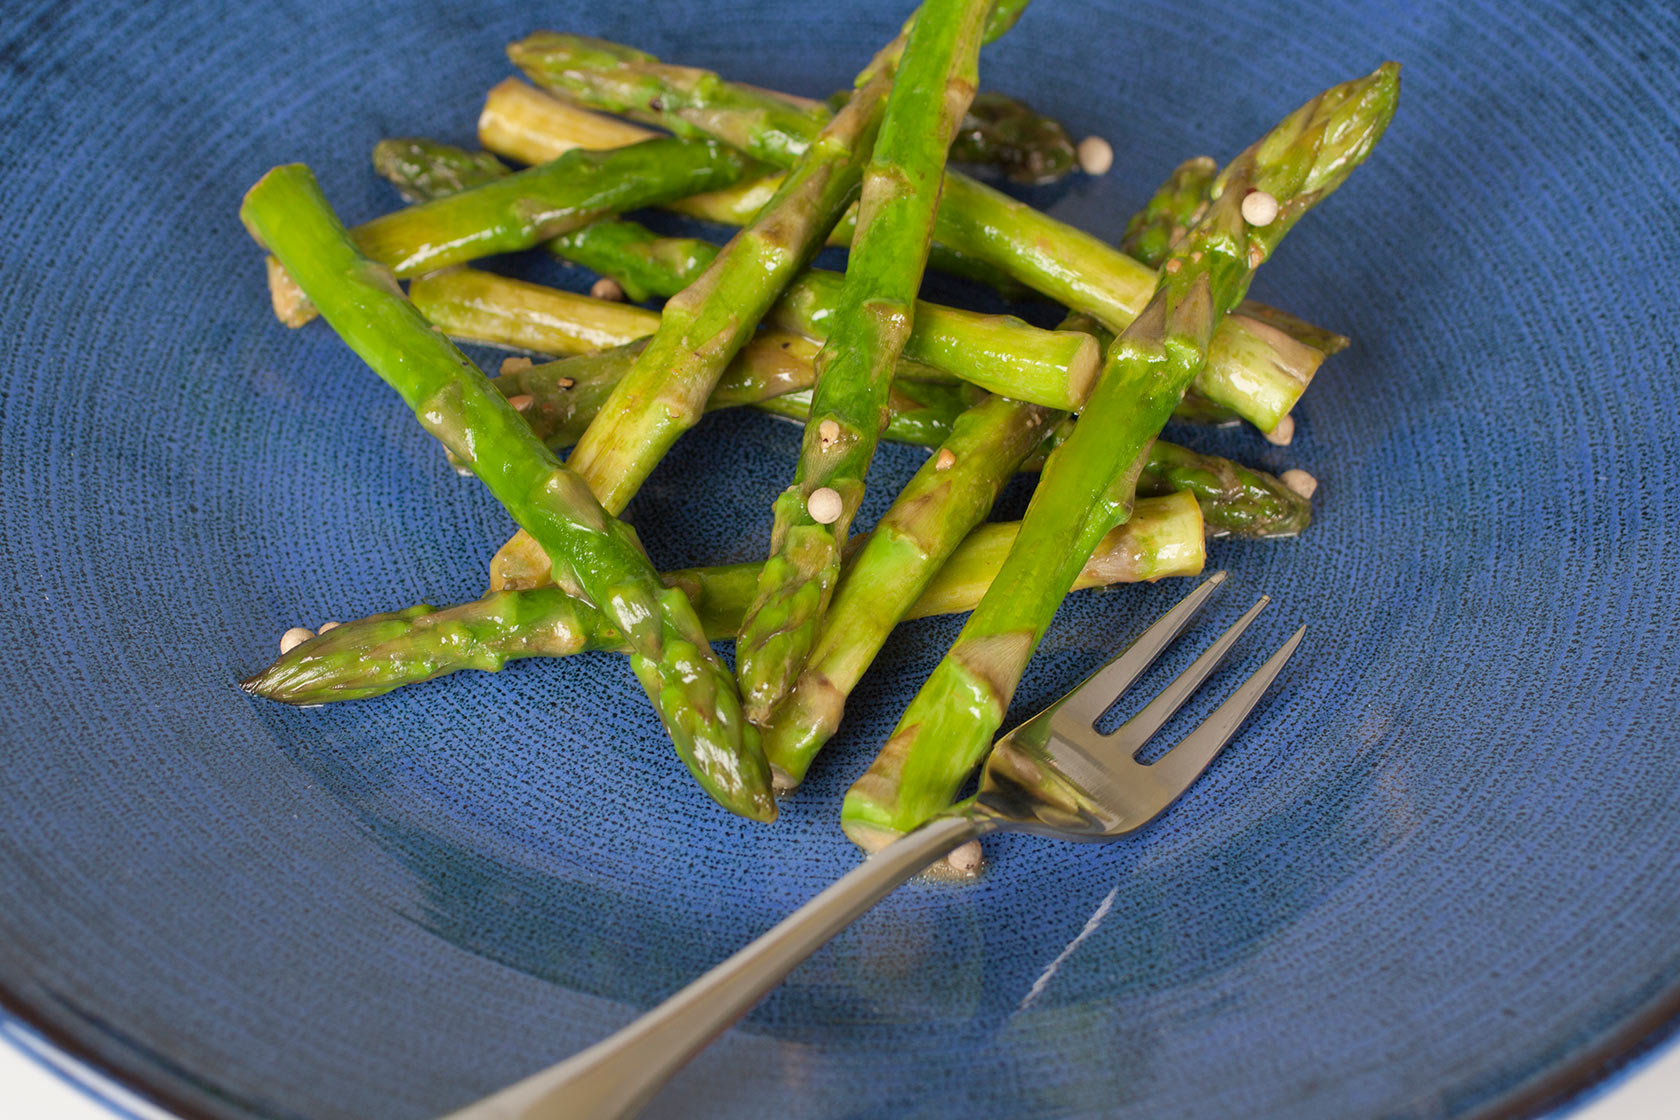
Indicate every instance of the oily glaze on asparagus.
{"type": "Point", "coordinates": [935, 83]}
{"type": "Point", "coordinates": [1260, 375]}
{"type": "Point", "coordinates": [703, 326]}
{"type": "Point", "coordinates": [597, 555]}
{"type": "Point", "coordinates": [372, 656]}
{"type": "Point", "coordinates": [949, 725]}
{"type": "Point", "coordinates": [528, 207]}
{"type": "Point", "coordinates": [998, 352]}
{"type": "Point", "coordinates": [642, 263]}
{"type": "Point", "coordinates": [1006, 133]}
{"type": "Point", "coordinates": [951, 493]}
{"type": "Point", "coordinates": [774, 373]}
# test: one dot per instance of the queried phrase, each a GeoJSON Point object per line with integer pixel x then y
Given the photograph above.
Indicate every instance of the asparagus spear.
{"type": "Point", "coordinates": [647, 264]}
{"type": "Point", "coordinates": [703, 326]}
{"type": "Point", "coordinates": [936, 509]}
{"type": "Point", "coordinates": [525, 208]}
{"type": "Point", "coordinates": [774, 373]}
{"type": "Point", "coordinates": [596, 555]}
{"type": "Point", "coordinates": [642, 262]}
{"type": "Point", "coordinates": [484, 307]}
{"type": "Point", "coordinates": [529, 126]}
{"type": "Point", "coordinates": [372, 656]}
{"type": "Point", "coordinates": [998, 352]}
{"type": "Point", "coordinates": [1006, 133]}
{"type": "Point", "coordinates": [1087, 482]}
{"type": "Point", "coordinates": [935, 83]}
{"type": "Point", "coordinates": [1259, 375]}
{"type": "Point", "coordinates": [1176, 205]}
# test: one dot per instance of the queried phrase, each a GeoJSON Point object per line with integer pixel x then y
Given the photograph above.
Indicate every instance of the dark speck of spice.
{"type": "Point", "coordinates": [656, 104]}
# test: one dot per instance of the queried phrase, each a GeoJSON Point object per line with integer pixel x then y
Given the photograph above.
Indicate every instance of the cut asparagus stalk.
{"type": "Point", "coordinates": [371, 656]}
{"type": "Point", "coordinates": [1069, 266]}
{"type": "Point", "coordinates": [876, 309]}
{"type": "Point", "coordinates": [999, 353]}
{"type": "Point", "coordinates": [595, 554]}
{"type": "Point", "coordinates": [527, 208]}
{"type": "Point", "coordinates": [1088, 481]}
{"type": "Point", "coordinates": [774, 373]}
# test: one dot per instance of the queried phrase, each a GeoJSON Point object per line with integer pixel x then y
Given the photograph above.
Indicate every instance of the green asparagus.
{"type": "Point", "coordinates": [1260, 376]}
{"type": "Point", "coordinates": [1027, 146]}
{"type": "Point", "coordinates": [529, 126]}
{"type": "Point", "coordinates": [643, 263]}
{"type": "Point", "coordinates": [704, 325]}
{"type": "Point", "coordinates": [372, 656]}
{"type": "Point", "coordinates": [998, 352]}
{"type": "Point", "coordinates": [592, 553]}
{"type": "Point", "coordinates": [528, 207]}
{"type": "Point", "coordinates": [774, 373]}
{"type": "Point", "coordinates": [937, 508]}
{"type": "Point", "coordinates": [935, 83]}
{"type": "Point", "coordinates": [950, 495]}
{"type": "Point", "coordinates": [1088, 480]}
{"type": "Point", "coordinates": [484, 307]}
{"type": "Point", "coordinates": [1176, 205]}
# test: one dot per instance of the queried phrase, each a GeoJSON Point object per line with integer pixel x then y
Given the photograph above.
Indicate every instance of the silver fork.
{"type": "Point", "coordinates": [1054, 775]}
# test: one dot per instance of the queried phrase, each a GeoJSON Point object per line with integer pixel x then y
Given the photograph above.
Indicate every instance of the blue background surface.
{"type": "Point", "coordinates": [1437, 876]}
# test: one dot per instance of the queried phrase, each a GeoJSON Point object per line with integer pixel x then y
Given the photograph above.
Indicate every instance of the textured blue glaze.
{"type": "Point", "coordinates": [1438, 867]}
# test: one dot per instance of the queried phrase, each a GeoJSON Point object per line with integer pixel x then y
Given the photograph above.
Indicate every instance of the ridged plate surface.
{"type": "Point", "coordinates": [1437, 876]}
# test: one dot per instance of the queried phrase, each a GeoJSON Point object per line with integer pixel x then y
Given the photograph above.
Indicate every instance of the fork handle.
{"type": "Point", "coordinates": [616, 1077]}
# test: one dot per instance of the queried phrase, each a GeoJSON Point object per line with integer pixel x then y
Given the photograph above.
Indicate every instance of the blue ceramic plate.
{"type": "Point", "coordinates": [1437, 876]}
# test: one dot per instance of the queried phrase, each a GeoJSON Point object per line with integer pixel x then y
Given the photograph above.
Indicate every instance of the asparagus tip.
{"type": "Point", "coordinates": [760, 806]}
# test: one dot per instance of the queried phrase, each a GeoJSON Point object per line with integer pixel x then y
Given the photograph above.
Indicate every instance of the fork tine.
{"type": "Point", "coordinates": [1092, 698]}
{"type": "Point", "coordinates": [1185, 762]}
{"type": "Point", "coordinates": [1135, 732]}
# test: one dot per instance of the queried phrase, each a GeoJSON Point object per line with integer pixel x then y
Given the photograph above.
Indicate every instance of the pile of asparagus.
{"type": "Point", "coordinates": [1155, 329]}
